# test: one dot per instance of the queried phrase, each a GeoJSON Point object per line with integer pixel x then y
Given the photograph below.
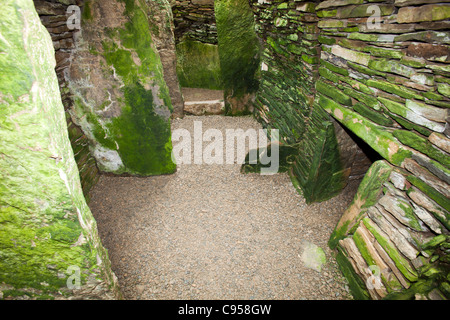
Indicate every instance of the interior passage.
{"type": "Point", "coordinates": [210, 232]}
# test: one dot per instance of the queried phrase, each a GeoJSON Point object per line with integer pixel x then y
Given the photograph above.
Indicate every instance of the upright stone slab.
{"type": "Point", "coordinates": [49, 245]}
{"type": "Point", "coordinates": [122, 102]}
{"type": "Point", "coordinates": [239, 54]}
{"type": "Point", "coordinates": [163, 33]}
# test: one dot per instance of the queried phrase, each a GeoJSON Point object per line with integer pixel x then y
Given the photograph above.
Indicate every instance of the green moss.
{"type": "Point", "coordinates": [198, 65]}
{"type": "Point", "coordinates": [327, 74]}
{"type": "Point", "coordinates": [334, 93]}
{"type": "Point", "coordinates": [365, 70]}
{"type": "Point", "coordinates": [395, 89]}
{"type": "Point", "coordinates": [356, 285]}
{"type": "Point", "coordinates": [430, 192]}
{"type": "Point", "coordinates": [334, 68]}
{"type": "Point", "coordinates": [239, 49]}
{"type": "Point", "coordinates": [327, 40]}
{"type": "Point", "coordinates": [373, 115]}
{"type": "Point", "coordinates": [326, 13]}
{"type": "Point", "coordinates": [401, 263]}
{"type": "Point", "coordinates": [144, 149]}
{"type": "Point", "coordinates": [421, 286]}
{"type": "Point", "coordinates": [87, 14]}
{"type": "Point", "coordinates": [421, 144]}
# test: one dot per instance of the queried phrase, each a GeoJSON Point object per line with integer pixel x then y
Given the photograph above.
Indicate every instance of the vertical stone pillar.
{"type": "Point", "coordinates": [239, 54]}
{"type": "Point", "coordinates": [49, 245]}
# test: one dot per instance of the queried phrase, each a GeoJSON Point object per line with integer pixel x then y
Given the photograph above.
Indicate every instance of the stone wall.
{"type": "Point", "coordinates": [386, 79]}
{"type": "Point", "coordinates": [286, 97]}
{"type": "Point", "coordinates": [49, 244]}
{"type": "Point", "coordinates": [54, 16]}
{"type": "Point", "coordinates": [195, 20]}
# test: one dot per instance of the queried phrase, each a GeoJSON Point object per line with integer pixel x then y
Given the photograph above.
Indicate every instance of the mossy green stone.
{"type": "Point", "coordinates": [239, 49]}
{"type": "Point", "coordinates": [356, 285]}
{"type": "Point", "coordinates": [198, 65]}
{"type": "Point", "coordinates": [332, 92]}
{"type": "Point", "coordinates": [395, 89]}
{"type": "Point", "coordinates": [421, 144]}
{"type": "Point", "coordinates": [130, 54]}
{"type": "Point", "coordinates": [45, 223]}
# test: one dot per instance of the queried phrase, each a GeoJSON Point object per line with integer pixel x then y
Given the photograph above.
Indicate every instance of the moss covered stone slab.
{"type": "Point", "coordinates": [395, 89]}
{"type": "Point", "coordinates": [377, 137]}
{"type": "Point", "coordinates": [198, 65]}
{"type": "Point", "coordinates": [400, 261]}
{"type": "Point", "coordinates": [122, 102]}
{"type": "Point", "coordinates": [367, 195]}
{"type": "Point", "coordinates": [332, 92]}
{"type": "Point", "coordinates": [46, 227]}
{"type": "Point", "coordinates": [239, 53]}
{"type": "Point", "coordinates": [356, 285]}
{"type": "Point", "coordinates": [415, 117]}
{"type": "Point", "coordinates": [421, 144]}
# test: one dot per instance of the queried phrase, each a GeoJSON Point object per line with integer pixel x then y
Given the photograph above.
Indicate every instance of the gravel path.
{"type": "Point", "coordinates": [209, 232]}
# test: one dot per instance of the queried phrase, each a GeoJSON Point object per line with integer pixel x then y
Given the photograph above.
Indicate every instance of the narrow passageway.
{"type": "Point", "coordinates": [210, 232]}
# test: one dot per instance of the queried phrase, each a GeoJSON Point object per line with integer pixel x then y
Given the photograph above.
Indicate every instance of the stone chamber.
{"type": "Point", "coordinates": [358, 90]}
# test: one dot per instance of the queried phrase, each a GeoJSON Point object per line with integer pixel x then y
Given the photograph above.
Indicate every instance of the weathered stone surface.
{"type": "Point", "coordinates": [160, 14]}
{"type": "Point", "coordinates": [429, 51]}
{"type": "Point", "coordinates": [46, 224]}
{"type": "Point", "coordinates": [400, 261]}
{"type": "Point", "coordinates": [426, 36]}
{"type": "Point", "coordinates": [200, 108]}
{"type": "Point", "coordinates": [357, 261]}
{"type": "Point", "coordinates": [430, 112]}
{"type": "Point", "coordinates": [395, 231]}
{"type": "Point", "coordinates": [351, 55]}
{"type": "Point", "coordinates": [426, 176]}
{"type": "Point", "coordinates": [122, 102]}
{"type": "Point", "coordinates": [336, 3]}
{"type": "Point", "coordinates": [199, 65]}
{"type": "Point", "coordinates": [440, 141]}
{"type": "Point", "coordinates": [239, 54]}
{"type": "Point", "coordinates": [432, 12]}
{"type": "Point", "coordinates": [402, 3]}
{"type": "Point", "coordinates": [424, 201]}
{"type": "Point", "coordinates": [402, 211]}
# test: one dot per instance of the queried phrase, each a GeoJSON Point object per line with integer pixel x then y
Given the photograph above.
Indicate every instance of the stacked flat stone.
{"type": "Point", "coordinates": [386, 79]}
{"type": "Point", "coordinates": [54, 17]}
{"type": "Point", "coordinates": [195, 20]}
{"type": "Point", "coordinates": [382, 73]}
{"type": "Point", "coordinates": [286, 97]}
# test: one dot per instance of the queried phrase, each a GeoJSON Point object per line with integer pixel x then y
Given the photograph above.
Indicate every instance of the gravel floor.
{"type": "Point", "coordinates": [209, 232]}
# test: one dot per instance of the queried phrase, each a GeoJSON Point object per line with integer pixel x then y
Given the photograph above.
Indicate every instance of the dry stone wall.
{"type": "Point", "coordinates": [380, 69]}
{"type": "Point", "coordinates": [195, 20]}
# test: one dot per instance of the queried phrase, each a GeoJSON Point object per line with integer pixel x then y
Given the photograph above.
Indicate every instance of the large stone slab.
{"type": "Point", "coordinates": [122, 101]}
{"type": "Point", "coordinates": [47, 231]}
